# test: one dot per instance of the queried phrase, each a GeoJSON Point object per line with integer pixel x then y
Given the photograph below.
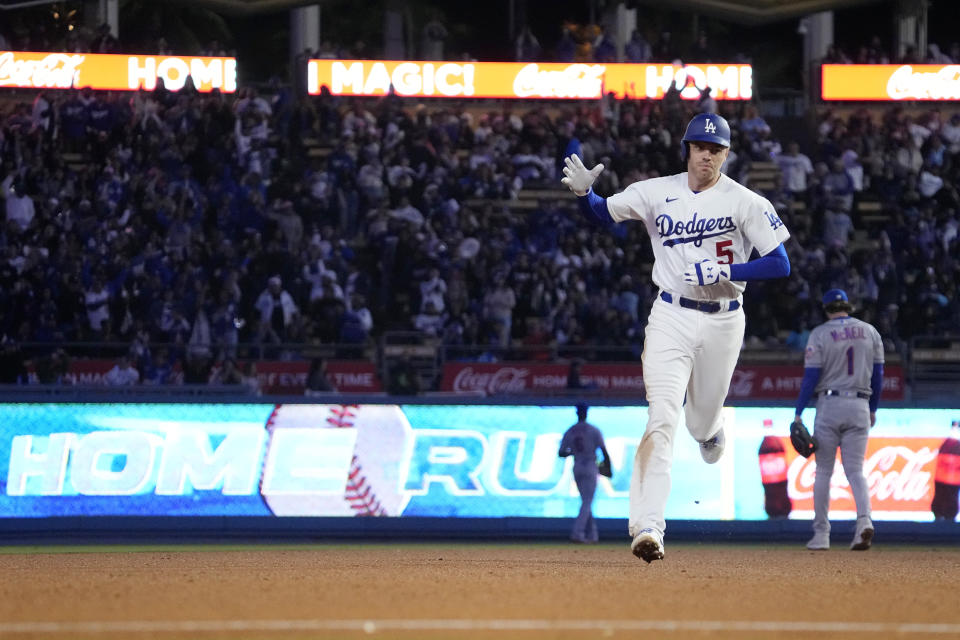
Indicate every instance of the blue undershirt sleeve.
{"type": "Point", "coordinates": [775, 264]}
{"type": "Point", "coordinates": [594, 207]}
{"type": "Point", "coordinates": [876, 386]}
{"type": "Point", "coordinates": [811, 375]}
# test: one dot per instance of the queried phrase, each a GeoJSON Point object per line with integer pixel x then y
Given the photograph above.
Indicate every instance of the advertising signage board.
{"type": "Point", "coordinates": [522, 80]}
{"type": "Point", "coordinates": [890, 82]}
{"type": "Point", "coordinates": [114, 72]}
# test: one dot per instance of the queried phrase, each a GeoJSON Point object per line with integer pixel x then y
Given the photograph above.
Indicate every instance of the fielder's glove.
{"type": "Point", "coordinates": [578, 178]}
{"type": "Point", "coordinates": [802, 441]}
{"type": "Point", "coordinates": [706, 272]}
{"type": "Point", "coordinates": [604, 469]}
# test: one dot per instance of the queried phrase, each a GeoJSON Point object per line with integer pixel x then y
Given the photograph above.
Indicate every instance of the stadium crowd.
{"type": "Point", "coordinates": [190, 226]}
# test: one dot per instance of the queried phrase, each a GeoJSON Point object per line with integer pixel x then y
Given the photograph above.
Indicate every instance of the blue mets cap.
{"type": "Point", "coordinates": [835, 295]}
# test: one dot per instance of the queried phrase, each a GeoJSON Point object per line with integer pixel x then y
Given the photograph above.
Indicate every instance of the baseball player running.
{"type": "Point", "coordinates": [582, 441]}
{"type": "Point", "coordinates": [704, 228]}
{"type": "Point", "coordinates": [843, 365]}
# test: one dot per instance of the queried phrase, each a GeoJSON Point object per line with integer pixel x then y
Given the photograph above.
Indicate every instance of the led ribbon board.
{"type": "Point", "coordinates": [521, 80]}
{"type": "Point", "coordinates": [114, 72]}
{"type": "Point", "coordinates": [890, 82]}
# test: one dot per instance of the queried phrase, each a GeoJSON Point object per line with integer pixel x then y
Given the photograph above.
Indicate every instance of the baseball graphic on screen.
{"type": "Point", "coordinates": [336, 460]}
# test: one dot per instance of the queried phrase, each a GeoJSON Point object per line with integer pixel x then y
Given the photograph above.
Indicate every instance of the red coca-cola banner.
{"type": "Point", "coordinates": [354, 376]}
{"type": "Point", "coordinates": [779, 381]}
{"type": "Point", "coordinates": [749, 381]}
{"type": "Point", "coordinates": [276, 377]}
{"type": "Point", "coordinates": [527, 377]}
{"type": "Point", "coordinates": [88, 371]}
{"type": "Point", "coordinates": [280, 377]}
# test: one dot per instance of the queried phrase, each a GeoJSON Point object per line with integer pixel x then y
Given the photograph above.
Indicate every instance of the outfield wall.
{"type": "Point", "coordinates": [373, 469]}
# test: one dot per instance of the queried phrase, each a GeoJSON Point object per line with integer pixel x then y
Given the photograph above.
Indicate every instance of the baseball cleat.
{"type": "Point", "coordinates": [648, 545]}
{"type": "Point", "coordinates": [819, 542]}
{"type": "Point", "coordinates": [863, 537]}
{"type": "Point", "coordinates": [712, 449]}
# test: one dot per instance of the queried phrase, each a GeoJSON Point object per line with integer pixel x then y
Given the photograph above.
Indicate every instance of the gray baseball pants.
{"type": "Point", "coordinates": [585, 528]}
{"type": "Point", "coordinates": [845, 423]}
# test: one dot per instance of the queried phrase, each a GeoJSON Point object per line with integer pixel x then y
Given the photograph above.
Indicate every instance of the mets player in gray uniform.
{"type": "Point", "coordinates": [582, 441]}
{"type": "Point", "coordinates": [843, 366]}
{"type": "Point", "coordinates": [710, 236]}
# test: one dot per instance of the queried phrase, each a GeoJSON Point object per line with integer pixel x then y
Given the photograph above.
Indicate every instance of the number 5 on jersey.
{"type": "Point", "coordinates": [724, 254]}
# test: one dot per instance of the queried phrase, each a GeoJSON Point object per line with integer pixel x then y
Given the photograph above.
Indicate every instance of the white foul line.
{"type": "Point", "coordinates": [373, 626]}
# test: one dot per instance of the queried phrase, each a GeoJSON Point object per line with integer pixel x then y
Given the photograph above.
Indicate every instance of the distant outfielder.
{"type": "Point", "coordinates": [843, 365]}
{"type": "Point", "coordinates": [582, 441]}
{"type": "Point", "coordinates": [703, 227]}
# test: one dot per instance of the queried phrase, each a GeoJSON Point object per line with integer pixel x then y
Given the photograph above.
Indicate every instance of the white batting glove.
{"type": "Point", "coordinates": [578, 178]}
{"type": "Point", "coordinates": [706, 272]}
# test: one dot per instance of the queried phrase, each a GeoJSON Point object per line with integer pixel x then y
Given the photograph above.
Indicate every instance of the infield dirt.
{"type": "Point", "coordinates": [478, 591]}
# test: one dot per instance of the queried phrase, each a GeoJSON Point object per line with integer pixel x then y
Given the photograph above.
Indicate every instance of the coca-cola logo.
{"type": "Point", "coordinates": [773, 465]}
{"type": "Point", "coordinates": [893, 473]}
{"type": "Point", "coordinates": [741, 385]}
{"type": "Point", "coordinates": [575, 81]}
{"type": "Point", "coordinates": [944, 84]}
{"type": "Point", "coordinates": [503, 380]}
{"type": "Point", "coordinates": [59, 70]}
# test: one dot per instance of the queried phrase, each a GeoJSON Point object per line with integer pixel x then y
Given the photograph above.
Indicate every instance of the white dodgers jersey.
{"type": "Point", "coordinates": [724, 223]}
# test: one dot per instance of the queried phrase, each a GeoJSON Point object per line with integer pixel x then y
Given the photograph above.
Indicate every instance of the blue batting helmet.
{"type": "Point", "coordinates": [707, 127]}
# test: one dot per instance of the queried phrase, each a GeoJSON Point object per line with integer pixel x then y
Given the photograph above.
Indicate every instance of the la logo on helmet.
{"type": "Point", "coordinates": [710, 127]}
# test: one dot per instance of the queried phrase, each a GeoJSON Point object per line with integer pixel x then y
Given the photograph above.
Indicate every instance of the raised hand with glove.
{"type": "Point", "coordinates": [706, 272]}
{"type": "Point", "coordinates": [577, 177]}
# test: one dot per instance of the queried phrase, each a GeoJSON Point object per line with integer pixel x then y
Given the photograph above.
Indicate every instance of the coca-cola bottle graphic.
{"type": "Point", "coordinates": [773, 474]}
{"type": "Point", "coordinates": [946, 482]}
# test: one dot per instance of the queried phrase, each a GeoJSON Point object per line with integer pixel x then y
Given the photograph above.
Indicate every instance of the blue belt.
{"type": "Point", "coordinates": [700, 305]}
{"type": "Point", "coordinates": [845, 393]}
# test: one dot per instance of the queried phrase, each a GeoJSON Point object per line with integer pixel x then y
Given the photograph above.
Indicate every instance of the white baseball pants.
{"type": "Point", "coordinates": [687, 354]}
